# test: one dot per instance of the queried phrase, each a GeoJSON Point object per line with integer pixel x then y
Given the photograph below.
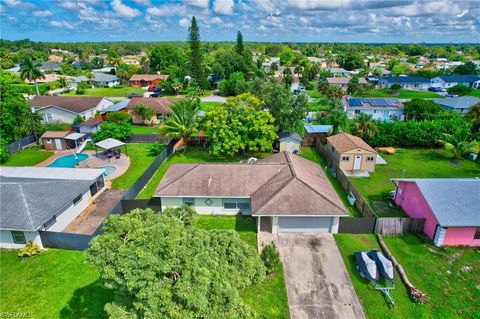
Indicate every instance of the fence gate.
{"type": "Point", "coordinates": [356, 225]}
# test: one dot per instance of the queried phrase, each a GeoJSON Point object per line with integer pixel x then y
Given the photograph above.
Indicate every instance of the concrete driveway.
{"type": "Point", "coordinates": [317, 281]}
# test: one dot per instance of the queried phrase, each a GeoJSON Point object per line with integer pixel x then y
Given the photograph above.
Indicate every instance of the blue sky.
{"type": "Point", "coordinates": [259, 20]}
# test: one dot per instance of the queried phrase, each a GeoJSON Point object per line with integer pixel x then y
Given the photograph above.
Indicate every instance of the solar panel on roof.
{"type": "Point", "coordinates": [355, 102]}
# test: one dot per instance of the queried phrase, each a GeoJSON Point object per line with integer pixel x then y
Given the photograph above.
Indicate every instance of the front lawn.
{"type": "Point", "coordinates": [448, 276]}
{"type": "Point", "coordinates": [120, 91]}
{"type": "Point", "coordinates": [143, 129]}
{"type": "Point", "coordinates": [207, 106]}
{"type": "Point", "coordinates": [413, 163]}
{"type": "Point", "coordinates": [140, 159]}
{"type": "Point", "coordinates": [190, 155]}
{"type": "Point", "coordinates": [54, 284]}
{"type": "Point", "coordinates": [314, 94]}
{"type": "Point", "coordinates": [311, 154]}
{"type": "Point", "coordinates": [30, 156]}
{"type": "Point", "coordinates": [403, 94]}
{"type": "Point", "coordinates": [475, 92]}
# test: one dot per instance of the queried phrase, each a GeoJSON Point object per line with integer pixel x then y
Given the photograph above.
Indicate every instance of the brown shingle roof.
{"type": "Point", "coordinates": [282, 184]}
{"type": "Point", "coordinates": [344, 142]}
{"type": "Point", "coordinates": [148, 77]}
{"type": "Point", "coordinates": [55, 134]}
{"type": "Point", "coordinates": [160, 105]}
{"type": "Point", "coordinates": [343, 80]}
{"type": "Point", "coordinates": [76, 104]}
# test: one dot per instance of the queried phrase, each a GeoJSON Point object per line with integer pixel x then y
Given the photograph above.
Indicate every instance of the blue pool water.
{"type": "Point", "coordinates": [68, 160]}
{"type": "Point", "coordinates": [108, 170]}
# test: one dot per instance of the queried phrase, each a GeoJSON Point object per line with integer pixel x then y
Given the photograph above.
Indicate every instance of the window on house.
{"type": "Point", "coordinates": [243, 206]}
{"type": "Point", "coordinates": [18, 237]}
{"type": "Point", "coordinates": [50, 222]}
{"type": "Point", "coordinates": [357, 111]}
{"type": "Point", "coordinates": [229, 205]}
{"type": "Point", "coordinates": [370, 158]}
{"type": "Point", "coordinates": [345, 158]}
{"type": "Point", "coordinates": [49, 141]}
{"type": "Point", "coordinates": [49, 117]}
{"type": "Point", "coordinates": [77, 200]}
{"type": "Point", "coordinates": [236, 204]}
{"type": "Point", "coordinates": [477, 233]}
{"type": "Point", "coordinates": [190, 201]}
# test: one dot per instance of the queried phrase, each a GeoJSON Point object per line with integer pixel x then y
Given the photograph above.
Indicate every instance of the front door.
{"type": "Point", "coordinates": [58, 144]}
{"type": "Point", "coordinates": [357, 163]}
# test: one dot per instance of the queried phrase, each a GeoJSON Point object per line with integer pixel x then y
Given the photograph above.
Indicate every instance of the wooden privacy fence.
{"type": "Point", "coordinates": [363, 225]}
{"type": "Point", "coordinates": [387, 226]}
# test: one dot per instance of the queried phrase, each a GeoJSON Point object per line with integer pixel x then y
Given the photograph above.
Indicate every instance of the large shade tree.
{"type": "Point", "coordinates": [29, 69]}
{"type": "Point", "coordinates": [162, 266]}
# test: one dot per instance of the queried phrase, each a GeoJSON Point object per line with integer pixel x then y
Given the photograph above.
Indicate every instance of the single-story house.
{"type": "Point", "coordinates": [316, 133]}
{"type": "Point", "coordinates": [89, 126]}
{"type": "Point", "coordinates": [381, 109]}
{"type": "Point", "coordinates": [161, 106]}
{"type": "Point", "coordinates": [339, 72]}
{"type": "Point", "coordinates": [142, 80]}
{"type": "Point", "coordinates": [61, 140]}
{"type": "Point", "coordinates": [289, 142]}
{"type": "Point", "coordinates": [406, 82]}
{"type": "Point", "coordinates": [119, 106]}
{"type": "Point", "coordinates": [104, 80]}
{"type": "Point", "coordinates": [351, 153]}
{"type": "Point", "coordinates": [450, 207]}
{"type": "Point", "coordinates": [48, 66]}
{"type": "Point", "coordinates": [447, 81]}
{"type": "Point", "coordinates": [343, 81]}
{"type": "Point", "coordinates": [35, 199]}
{"type": "Point", "coordinates": [460, 104]}
{"type": "Point", "coordinates": [66, 108]}
{"type": "Point", "coordinates": [285, 192]}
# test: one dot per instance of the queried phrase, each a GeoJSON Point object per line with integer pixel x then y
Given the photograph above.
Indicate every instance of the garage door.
{"type": "Point", "coordinates": [304, 224]}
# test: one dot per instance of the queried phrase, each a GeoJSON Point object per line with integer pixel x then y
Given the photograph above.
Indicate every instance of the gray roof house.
{"type": "Point", "coordinates": [286, 193]}
{"type": "Point", "coordinates": [49, 66]}
{"type": "Point", "coordinates": [406, 82]}
{"type": "Point", "coordinates": [460, 104]}
{"type": "Point", "coordinates": [447, 81]}
{"type": "Point", "coordinates": [381, 109]}
{"type": "Point", "coordinates": [103, 79]}
{"type": "Point", "coordinates": [41, 198]}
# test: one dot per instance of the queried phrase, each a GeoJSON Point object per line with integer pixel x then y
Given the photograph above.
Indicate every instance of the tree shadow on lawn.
{"type": "Point", "coordinates": [88, 302]}
{"type": "Point", "coordinates": [245, 223]}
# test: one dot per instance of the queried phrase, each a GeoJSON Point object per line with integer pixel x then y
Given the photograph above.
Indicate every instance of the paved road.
{"type": "Point", "coordinates": [213, 98]}
{"type": "Point", "coordinates": [317, 282]}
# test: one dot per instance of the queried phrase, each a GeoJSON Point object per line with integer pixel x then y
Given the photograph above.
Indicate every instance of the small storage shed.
{"type": "Point", "coordinates": [289, 142]}
{"type": "Point", "coordinates": [89, 126]}
{"type": "Point", "coordinates": [351, 153]}
{"type": "Point", "coordinates": [54, 140]}
{"type": "Point", "coordinates": [314, 133]}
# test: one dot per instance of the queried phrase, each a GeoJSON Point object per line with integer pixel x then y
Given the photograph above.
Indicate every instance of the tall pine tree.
{"type": "Point", "coordinates": [239, 47]}
{"type": "Point", "coordinates": [195, 55]}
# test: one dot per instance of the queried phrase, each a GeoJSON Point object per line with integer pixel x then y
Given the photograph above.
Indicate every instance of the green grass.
{"type": "Point", "coordinates": [311, 154]}
{"type": "Point", "coordinates": [143, 129]}
{"type": "Point", "coordinates": [452, 292]}
{"type": "Point", "coordinates": [54, 284]}
{"type": "Point", "coordinates": [190, 155]}
{"type": "Point", "coordinates": [268, 298]}
{"type": "Point", "coordinates": [317, 107]}
{"type": "Point", "coordinates": [413, 163]}
{"type": "Point", "coordinates": [207, 106]}
{"type": "Point", "coordinates": [110, 92]}
{"type": "Point", "coordinates": [475, 92]}
{"type": "Point", "coordinates": [403, 94]}
{"type": "Point", "coordinates": [28, 157]}
{"type": "Point", "coordinates": [140, 159]}
{"type": "Point", "coordinates": [315, 94]}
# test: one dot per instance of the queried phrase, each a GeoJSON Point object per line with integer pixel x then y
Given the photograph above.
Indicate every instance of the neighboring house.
{"type": "Point", "coordinates": [381, 109]}
{"type": "Point", "coordinates": [285, 192]}
{"type": "Point", "coordinates": [460, 104]}
{"type": "Point", "coordinates": [104, 80]}
{"type": "Point", "coordinates": [447, 81]}
{"type": "Point", "coordinates": [117, 106]}
{"type": "Point", "coordinates": [48, 66]}
{"type": "Point", "coordinates": [339, 72]}
{"type": "Point", "coordinates": [289, 142]}
{"type": "Point", "coordinates": [316, 134]}
{"type": "Point", "coordinates": [55, 58]}
{"type": "Point", "coordinates": [89, 126]}
{"type": "Point", "coordinates": [161, 106]}
{"type": "Point", "coordinates": [61, 140]}
{"type": "Point", "coordinates": [49, 77]}
{"type": "Point", "coordinates": [351, 153]}
{"type": "Point", "coordinates": [450, 207]}
{"type": "Point", "coordinates": [406, 82]}
{"type": "Point", "coordinates": [342, 82]}
{"type": "Point", "coordinates": [142, 80]}
{"type": "Point", "coordinates": [66, 108]}
{"type": "Point", "coordinates": [43, 198]}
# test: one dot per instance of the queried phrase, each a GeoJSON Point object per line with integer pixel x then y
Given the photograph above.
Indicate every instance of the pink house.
{"type": "Point", "coordinates": [450, 206]}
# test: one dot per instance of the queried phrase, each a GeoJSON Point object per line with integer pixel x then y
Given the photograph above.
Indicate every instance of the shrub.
{"type": "Point", "coordinates": [459, 89]}
{"type": "Point", "coordinates": [309, 86]}
{"type": "Point", "coordinates": [29, 250]}
{"type": "Point", "coordinates": [118, 117]}
{"type": "Point", "coordinates": [155, 149]}
{"type": "Point", "coordinates": [119, 131]}
{"type": "Point", "coordinates": [270, 257]}
{"type": "Point", "coordinates": [4, 153]}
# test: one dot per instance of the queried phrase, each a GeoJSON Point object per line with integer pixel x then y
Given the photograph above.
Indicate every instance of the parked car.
{"type": "Point", "coordinates": [157, 89]}
{"type": "Point", "coordinates": [436, 89]}
{"type": "Point", "coordinates": [156, 94]}
{"type": "Point", "coordinates": [151, 88]}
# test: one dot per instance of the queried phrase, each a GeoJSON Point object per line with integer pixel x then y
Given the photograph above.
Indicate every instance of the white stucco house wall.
{"type": "Point", "coordinates": [417, 83]}
{"type": "Point", "coordinates": [381, 109]}
{"type": "Point", "coordinates": [448, 81]}
{"type": "Point", "coordinates": [36, 199]}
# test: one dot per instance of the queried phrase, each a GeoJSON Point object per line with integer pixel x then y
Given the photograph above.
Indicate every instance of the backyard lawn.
{"type": "Point", "coordinates": [207, 106]}
{"type": "Point", "coordinates": [143, 129]}
{"type": "Point", "coordinates": [140, 159]}
{"type": "Point", "coordinates": [311, 154]}
{"type": "Point", "coordinates": [314, 94]}
{"type": "Point", "coordinates": [28, 157]}
{"type": "Point", "coordinates": [120, 91]}
{"type": "Point", "coordinates": [448, 276]}
{"type": "Point", "coordinates": [413, 163]}
{"type": "Point", "coordinates": [475, 92]}
{"type": "Point", "coordinates": [403, 94]}
{"type": "Point", "coordinates": [190, 155]}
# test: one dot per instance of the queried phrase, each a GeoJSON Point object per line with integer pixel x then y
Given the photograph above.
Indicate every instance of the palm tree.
{"type": "Point", "coordinates": [144, 112]}
{"type": "Point", "coordinates": [182, 122]}
{"type": "Point", "coordinates": [63, 82]}
{"type": "Point", "coordinates": [336, 118]}
{"type": "Point", "coordinates": [115, 61]}
{"type": "Point", "coordinates": [364, 126]}
{"type": "Point", "coordinates": [458, 147]}
{"type": "Point", "coordinates": [90, 77]}
{"type": "Point", "coordinates": [29, 70]}
{"type": "Point", "coordinates": [144, 63]}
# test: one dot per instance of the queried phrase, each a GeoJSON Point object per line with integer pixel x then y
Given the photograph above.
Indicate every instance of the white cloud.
{"type": "Point", "coordinates": [18, 4]}
{"type": "Point", "coordinates": [61, 24]}
{"type": "Point", "coordinates": [216, 20]}
{"type": "Point", "coordinates": [223, 6]}
{"type": "Point", "coordinates": [317, 4]}
{"type": "Point", "coordinates": [184, 22]}
{"type": "Point", "coordinates": [167, 10]}
{"type": "Point", "coordinates": [143, 2]}
{"type": "Point", "coordinates": [197, 3]}
{"type": "Point", "coordinates": [42, 14]}
{"type": "Point", "coordinates": [124, 10]}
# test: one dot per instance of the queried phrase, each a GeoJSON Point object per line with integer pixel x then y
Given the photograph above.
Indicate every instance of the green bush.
{"type": "Point", "coordinates": [119, 131]}
{"type": "Point", "coordinates": [270, 257]}
{"type": "Point", "coordinates": [4, 153]}
{"type": "Point", "coordinates": [459, 89]}
{"type": "Point", "coordinates": [118, 117]}
{"type": "Point", "coordinates": [155, 149]}
{"type": "Point", "coordinates": [29, 250]}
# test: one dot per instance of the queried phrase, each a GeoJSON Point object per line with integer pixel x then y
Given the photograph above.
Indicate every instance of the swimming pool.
{"type": "Point", "coordinates": [108, 170]}
{"type": "Point", "coordinates": [68, 160]}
